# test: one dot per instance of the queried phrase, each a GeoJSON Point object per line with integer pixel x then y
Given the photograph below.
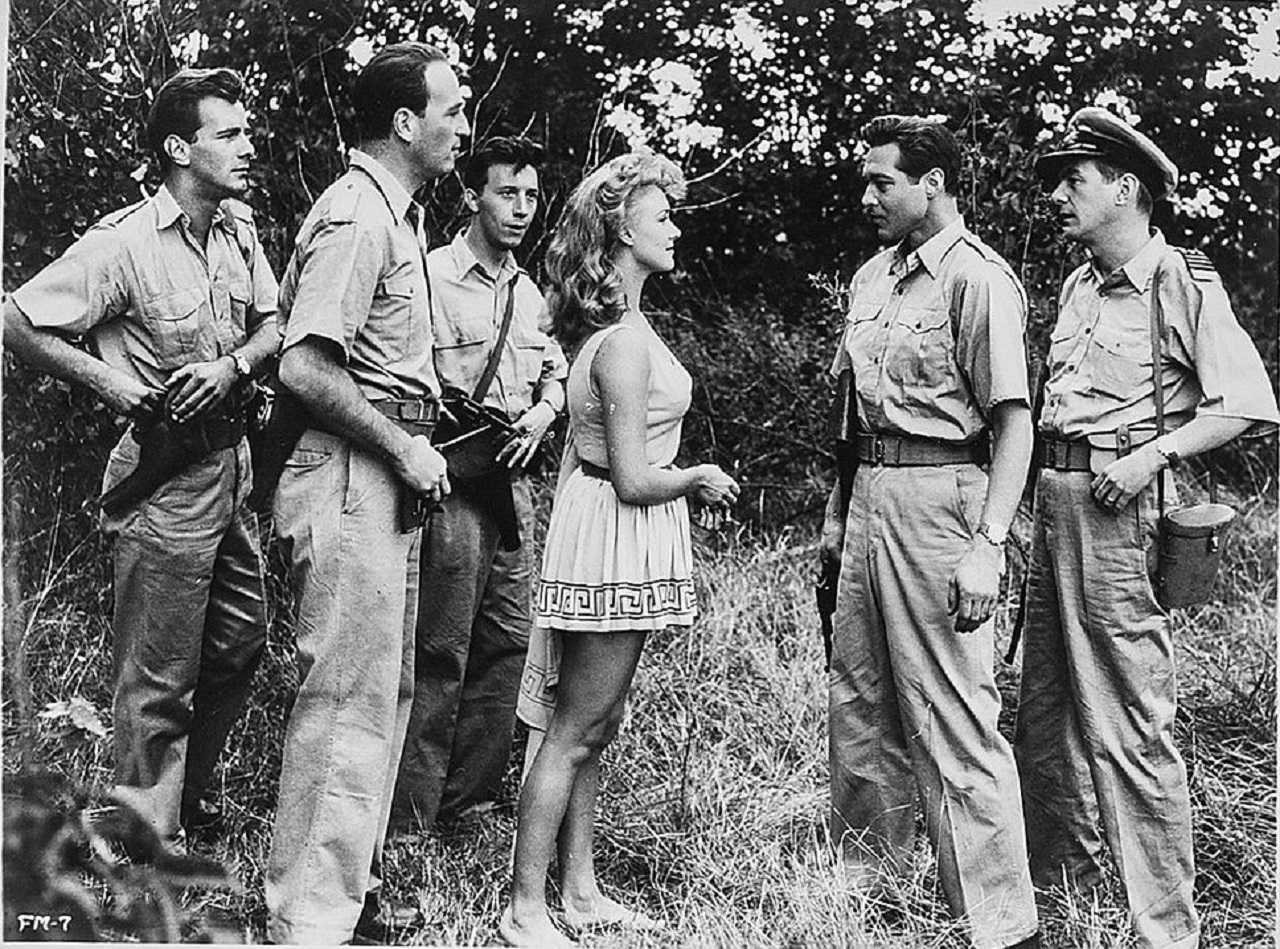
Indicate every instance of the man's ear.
{"type": "Point", "coordinates": [402, 123]}
{"type": "Point", "coordinates": [1127, 191]}
{"type": "Point", "coordinates": [934, 181]}
{"type": "Point", "coordinates": [178, 149]}
{"type": "Point", "coordinates": [471, 200]}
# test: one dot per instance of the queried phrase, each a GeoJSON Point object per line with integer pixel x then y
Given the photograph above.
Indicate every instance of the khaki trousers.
{"type": "Point", "coordinates": [472, 636]}
{"type": "Point", "coordinates": [913, 703]}
{"type": "Point", "coordinates": [1095, 715]}
{"type": "Point", "coordinates": [189, 626]}
{"type": "Point", "coordinates": [355, 583]}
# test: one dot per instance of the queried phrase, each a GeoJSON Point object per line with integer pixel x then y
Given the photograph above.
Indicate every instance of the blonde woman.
{"type": "Point", "coordinates": [617, 562]}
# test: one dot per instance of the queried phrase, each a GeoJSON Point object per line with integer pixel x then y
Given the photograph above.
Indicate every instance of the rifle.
{"type": "Point", "coordinates": [843, 424]}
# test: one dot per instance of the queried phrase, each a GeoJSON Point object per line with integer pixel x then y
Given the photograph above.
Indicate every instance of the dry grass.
{"type": "Point", "coordinates": [713, 799]}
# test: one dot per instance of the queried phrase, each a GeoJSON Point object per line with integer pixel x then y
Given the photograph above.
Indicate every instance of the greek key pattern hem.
{"type": "Point", "coordinates": [649, 600]}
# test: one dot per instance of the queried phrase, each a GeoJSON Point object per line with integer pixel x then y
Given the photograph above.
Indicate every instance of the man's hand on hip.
{"type": "Point", "coordinates": [1121, 480]}
{"type": "Point", "coordinates": [198, 387]}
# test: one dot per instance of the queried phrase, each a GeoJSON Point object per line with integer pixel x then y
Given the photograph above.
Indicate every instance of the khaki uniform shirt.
{"type": "Point", "coordinates": [356, 279]}
{"type": "Point", "coordinates": [147, 297]}
{"type": "Point", "coordinates": [467, 307]}
{"type": "Point", "coordinates": [1100, 351]}
{"type": "Point", "coordinates": [935, 338]}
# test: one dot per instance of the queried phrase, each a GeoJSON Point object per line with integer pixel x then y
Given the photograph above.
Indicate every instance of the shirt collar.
{"type": "Point", "coordinates": [464, 258]}
{"type": "Point", "coordinates": [393, 192]}
{"type": "Point", "coordinates": [169, 211]}
{"type": "Point", "coordinates": [931, 252]}
{"type": "Point", "coordinates": [1139, 268]}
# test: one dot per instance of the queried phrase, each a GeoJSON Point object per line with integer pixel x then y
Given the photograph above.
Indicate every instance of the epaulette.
{"type": "Point", "coordinates": [1200, 266]}
{"type": "Point", "coordinates": [344, 201]}
{"type": "Point", "coordinates": [118, 216]}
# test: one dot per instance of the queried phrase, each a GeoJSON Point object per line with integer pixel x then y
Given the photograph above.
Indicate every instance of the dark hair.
{"type": "Point", "coordinates": [176, 109]}
{"type": "Point", "coordinates": [395, 78]}
{"type": "Point", "coordinates": [922, 145]}
{"type": "Point", "coordinates": [1110, 172]}
{"type": "Point", "coordinates": [517, 151]}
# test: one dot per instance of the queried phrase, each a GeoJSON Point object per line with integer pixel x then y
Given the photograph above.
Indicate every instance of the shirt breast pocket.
{"type": "Point", "coordinates": [397, 295]}
{"type": "Point", "coordinates": [172, 324]}
{"type": "Point", "coordinates": [1119, 365]}
{"type": "Point", "coordinates": [863, 337]}
{"type": "Point", "coordinates": [528, 352]}
{"type": "Point", "coordinates": [921, 352]}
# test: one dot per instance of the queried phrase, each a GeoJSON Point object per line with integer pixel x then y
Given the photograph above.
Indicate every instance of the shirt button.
{"type": "Point", "coordinates": [1087, 330]}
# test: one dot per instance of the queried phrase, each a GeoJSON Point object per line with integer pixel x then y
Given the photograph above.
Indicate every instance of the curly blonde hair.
{"type": "Point", "coordinates": [585, 292]}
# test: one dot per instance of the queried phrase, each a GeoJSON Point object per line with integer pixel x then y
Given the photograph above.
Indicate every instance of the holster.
{"type": "Point", "coordinates": [168, 448]}
{"type": "Point", "coordinates": [492, 494]}
{"type": "Point", "coordinates": [277, 420]}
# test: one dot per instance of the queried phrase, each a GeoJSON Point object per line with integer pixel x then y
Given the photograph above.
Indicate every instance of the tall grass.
{"type": "Point", "coordinates": [713, 798]}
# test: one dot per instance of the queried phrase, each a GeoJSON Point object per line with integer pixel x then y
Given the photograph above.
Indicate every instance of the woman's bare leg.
{"type": "Point", "coordinates": [595, 672]}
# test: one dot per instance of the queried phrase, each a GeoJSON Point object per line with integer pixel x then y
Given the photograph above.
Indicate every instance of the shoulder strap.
{"type": "Point", "coordinates": [491, 367]}
{"type": "Point", "coordinates": [1157, 372]}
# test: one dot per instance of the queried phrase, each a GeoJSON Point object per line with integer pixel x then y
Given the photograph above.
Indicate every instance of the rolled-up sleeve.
{"type": "Point", "coordinates": [1232, 377]}
{"type": "Point", "coordinates": [337, 276]}
{"type": "Point", "coordinates": [265, 289]}
{"type": "Point", "coordinates": [82, 288]}
{"type": "Point", "coordinates": [989, 311]}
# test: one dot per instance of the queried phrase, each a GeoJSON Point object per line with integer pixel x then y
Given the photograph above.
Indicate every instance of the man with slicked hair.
{"type": "Point", "coordinates": [357, 354]}
{"type": "Point", "coordinates": [175, 303]}
{"type": "Point", "coordinates": [477, 574]}
{"type": "Point", "coordinates": [942, 433]}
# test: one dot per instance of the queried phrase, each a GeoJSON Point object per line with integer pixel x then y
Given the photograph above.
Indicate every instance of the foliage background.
{"type": "Point", "coordinates": [761, 101]}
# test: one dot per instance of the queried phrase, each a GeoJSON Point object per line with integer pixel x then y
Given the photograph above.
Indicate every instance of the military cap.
{"type": "Point", "coordinates": [1096, 133]}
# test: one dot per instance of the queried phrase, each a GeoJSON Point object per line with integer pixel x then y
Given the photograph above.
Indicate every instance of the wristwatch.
{"type": "Point", "coordinates": [243, 369]}
{"type": "Point", "coordinates": [1164, 445]}
{"type": "Point", "coordinates": [991, 536]}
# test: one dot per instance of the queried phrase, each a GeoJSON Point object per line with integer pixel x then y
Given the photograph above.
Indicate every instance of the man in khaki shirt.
{"type": "Point", "coordinates": [357, 353]}
{"type": "Point", "coordinates": [1099, 689]}
{"type": "Point", "coordinates": [934, 339]}
{"type": "Point", "coordinates": [176, 303]}
{"type": "Point", "coordinates": [473, 627]}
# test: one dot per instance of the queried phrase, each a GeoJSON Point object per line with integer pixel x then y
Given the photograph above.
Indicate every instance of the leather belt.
{"type": "Point", "coordinates": [416, 416]}
{"type": "Point", "coordinates": [903, 451]}
{"type": "Point", "coordinates": [594, 471]}
{"type": "Point", "coordinates": [1061, 454]}
{"type": "Point", "coordinates": [216, 432]}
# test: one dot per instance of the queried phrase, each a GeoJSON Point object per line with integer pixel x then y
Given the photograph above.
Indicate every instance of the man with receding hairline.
{"type": "Point", "coordinates": [934, 340]}
{"type": "Point", "coordinates": [357, 354]}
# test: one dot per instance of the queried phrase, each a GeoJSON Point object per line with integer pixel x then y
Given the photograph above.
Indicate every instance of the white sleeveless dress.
{"type": "Point", "coordinates": [609, 566]}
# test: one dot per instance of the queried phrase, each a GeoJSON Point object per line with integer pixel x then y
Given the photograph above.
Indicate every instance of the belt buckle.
{"type": "Point", "coordinates": [1061, 455]}
{"type": "Point", "coordinates": [413, 410]}
{"type": "Point", "coordinates": [877, 450]}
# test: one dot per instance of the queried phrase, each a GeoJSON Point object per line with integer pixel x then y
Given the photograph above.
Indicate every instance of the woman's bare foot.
{"type": "Point", "coordinates": [603, 911]}
{"type": "Point", "coordinates": [538, 933]}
